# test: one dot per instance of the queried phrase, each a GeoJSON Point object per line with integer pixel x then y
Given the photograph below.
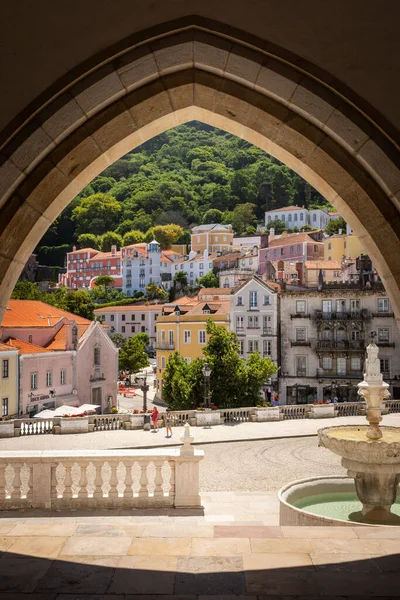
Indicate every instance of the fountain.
{"type": "Point", "coordinates": [371, 455]}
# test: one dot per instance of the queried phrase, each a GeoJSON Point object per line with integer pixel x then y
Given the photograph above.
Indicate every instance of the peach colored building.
{"type": "Point", "coordinates": [63, 358]}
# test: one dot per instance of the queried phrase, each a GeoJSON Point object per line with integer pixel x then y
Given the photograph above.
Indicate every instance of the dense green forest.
{"type": "Point", "coordinates": [189, 175]}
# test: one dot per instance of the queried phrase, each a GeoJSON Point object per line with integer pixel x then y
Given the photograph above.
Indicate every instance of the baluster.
{"type": "Point", "coordinates": [90, 479]}
{"type": "Point", "coordinates": [114, 482]}
{"type": "Point", "coordinates": [98, 493]}
{"type": "Point", "coordinates": [16, 494]}
{"type": "Point", "coordinates": [60, 473]}
{"type": "Point", "coordinates": [75, 480]}
{"type": "Point", "coordinates": [158, 479]}
{"type": "Point", "coordinates": [128, 491]}
{"type": "Point", "coordinates": [2, 483]}
{"type": "Point", "coordinates": [25, 476]}
{"type": "Point", "coordinates": [105, 472]}
{"type": "Point", "coordinates": [143, 491]}
{"type": "Point", "coordinates": [9, 474]}
{"type": "Point", "coordinates": [171, 492]}
{"type": "Point", "coordinates": [83, 482]}
{"type": "Point", "coordinates": [68, 482]}
{"type": "Point", "coordinates": [136, 472]}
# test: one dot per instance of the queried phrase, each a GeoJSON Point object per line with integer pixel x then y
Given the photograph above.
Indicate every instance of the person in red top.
{"type": "Point", "coordinates": [154, 419]}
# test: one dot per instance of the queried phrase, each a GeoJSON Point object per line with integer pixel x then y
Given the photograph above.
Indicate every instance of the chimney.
{"type": "Point", "coordinates": [340, 231]}
{"type": "Point", "coordinates": [271, 234]}
{"type": "Point", "coordinates": [73, 248]}
{"type": "Point", "coordinates": [69, 342]}
{"type": "Point", "coordinates": [113, 250]}
{"type": "Point", "coordinates": [205, 254]}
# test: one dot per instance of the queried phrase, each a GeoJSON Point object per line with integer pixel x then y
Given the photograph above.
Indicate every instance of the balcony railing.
{"type": "Point", "coordinates": [301, 372]}
{"type": "Point", "coordinates": [357, 345]}
{"type": "Point", "coordinates": [383, 314]}
{"type": "Point", "coordinates": [334, 374]}
{"type": "Point", "coordinates": [253, 326]}
{"type": "Point", "coordinates": [301, 315]}
{"type": "Point", "coordinates": [164, 346]}
{"type": "Point", "coordinates": [386, 344]}
{"type": "Point", "coordinates": [300, 343]}
{"type": "Point", "coordinates": [267, 331]}
{"type": "Point", "coordinates": [342, 315]}
{"type": "Point", "coordinates": [240, 330]}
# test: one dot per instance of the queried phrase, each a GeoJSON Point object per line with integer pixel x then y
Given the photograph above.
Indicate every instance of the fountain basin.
{"type": "Point", "coordinates": [350, 442]}
{"type": "Point", "coordinates": [322, 501]}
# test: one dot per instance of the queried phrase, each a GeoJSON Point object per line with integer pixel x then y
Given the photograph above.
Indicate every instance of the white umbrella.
{"type": "Point", "coordinates": [88, 407]}
{"type": "Point", "coordinates": [45, 414]}
{"type": "Point", "coordinates": [67, 410]}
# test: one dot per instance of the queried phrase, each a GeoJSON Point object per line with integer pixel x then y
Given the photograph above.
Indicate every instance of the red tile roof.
{"type": "Point", "coordinates": [34, 313]}
{"type": "Point", "coordinates": [323, 264]}
{"type": "Point", "coordinates": [128, 307]}
{"type": "Point", "coordinates": [295, 238]}
{"type": "Point", "coordinates": [24, 347]}
{"type": "Point", "coordinates": [59, 341]}
{"type": "Point", "coordinates": [286, 208]}
{"type": "Point", "coordinates": [4, 347]}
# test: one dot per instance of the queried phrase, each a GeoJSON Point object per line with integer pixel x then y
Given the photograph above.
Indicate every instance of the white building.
{"type": "Point", "coordinates": [195, 266]}
{"type": "Point", "coordinates": [141, 265]}
{"type": "Point", "coordinates": [298, 216]}
{"type": "Point", "coordinates": [254, 314]}
{"type": "Point", "coordinates": [130, 320]}
{"type": "Point", "coordinates": [323, 341]}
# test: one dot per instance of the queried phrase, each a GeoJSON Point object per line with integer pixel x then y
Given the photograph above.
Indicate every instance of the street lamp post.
{"type": "Point", "coordinates": [144, 386]}
{"type": "Point", "coordinates": [206, 370]}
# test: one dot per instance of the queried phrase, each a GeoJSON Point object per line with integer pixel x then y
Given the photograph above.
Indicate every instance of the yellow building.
{"type": "Point", "coordinates": [8, 380]}
{"type": "Point", "coordinates": [182, 328]}
{"type": "Point", "coordinates": [337, 246]}
{"type": "Point", "coordinates": [213, 237]}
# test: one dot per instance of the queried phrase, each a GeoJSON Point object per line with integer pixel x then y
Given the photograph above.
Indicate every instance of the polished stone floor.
{"type": "Point", "coordinates": [232, 548]}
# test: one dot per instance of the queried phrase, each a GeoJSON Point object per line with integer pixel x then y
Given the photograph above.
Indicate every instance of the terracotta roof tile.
{"type": "Point", "coordinates": [24, 347]}
{"type": "Point", "coordinates": [34, 313]}
{"type": "Point", "coordinates": [323, 264]}
{"type": "Point", "coordinates": [128, 307]}
{"type": "Point", "coordinates": [5, 347]}
{"type": "Point", "coordinates": [295, 238]}
{"type": "Point", "coordinates": [285, 209]}
{"type": "Point", "coordinates": [59, 341]}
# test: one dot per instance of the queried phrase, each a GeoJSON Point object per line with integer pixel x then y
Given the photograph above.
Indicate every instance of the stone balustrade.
{"type": "Point", "coordinates": [93, 423]}
{"type": "Point", "coordinates": [89, 479]}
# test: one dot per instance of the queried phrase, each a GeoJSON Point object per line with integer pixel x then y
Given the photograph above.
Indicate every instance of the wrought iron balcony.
{"type": "Point", "coordinates": [342, 315]}
{"type": "Point", "coordinates": [386, 344]}
{"type": "Point", "coordinates": [383, 314]}
{"type": "Point", "coordinates": [356, 345]}
{"type": "Point", "coordinates": [300, 343]}
{"type": "Point", "coordinates": [164, 346]}
{"type": "Point", "coordinates": [301, 315]}
{"type": "Point", "coordinates": [334, 374]}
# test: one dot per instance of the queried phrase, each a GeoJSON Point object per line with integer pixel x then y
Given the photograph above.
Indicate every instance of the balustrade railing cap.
{"type": "Point", "coordinates": [46, 455]}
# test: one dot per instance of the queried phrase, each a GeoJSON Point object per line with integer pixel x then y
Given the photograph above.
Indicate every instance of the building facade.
{"type": "Point", "coordinates": [194, 266]}
{"type": "Point", "coordinates": [213, 238]}
{"type": "Point", "coordinates": [141, 265]}
{"type": "Point", "coordinates": [288, 250]}
{"type": "Point", "coordinates": [323, 341]}
{"type": "Point", "coordinates": [130, 320]}
{"type": "Point", "coordinates": [298, 216]}
{"type": "Point", "coordinates": [8, 381]}
{"type": "Point", "coordinates": [86, 264]}
{"type": "Point", "coordinates": [254, 317]}
{"type": "Point", "coordinates": [338, 246]}
{"type": "Point", "coordinates": [63, 358]}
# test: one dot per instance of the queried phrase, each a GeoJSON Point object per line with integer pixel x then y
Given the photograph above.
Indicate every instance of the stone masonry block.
{"type": "Point", "coordinates": [31, 151]}
{"type": "Point", "coordinates": [180, 88]}
{"type": "Point", "coordinates": [10, 177]}
{"type": "Point", "coordinates": [211, 53]}
{"type": "Point", "coordinates": [62, 117]}
{"type": "Point", "coordinates": [137, 67]}
{"type": "Point", "coordinates": [277, 79]}
{"type": "Point", "coordinates": [380, 165]}
{"type": "Point", "coordinates": [149, 103]}
{"type": "Point", "coordinates": [345, 130]}
{"type": "Point", "coordinates": [174, 53]}
{"type": "Point", "coordinates": [98, 90]}
{"type": "Point", "coordinates": [314, 107]}
{"type": "Point", "coordinates": [76, 153]}
{"type": "Point", "coordinates": [111, 125]}
{"type": "Point", "coordinates": [243, 65]}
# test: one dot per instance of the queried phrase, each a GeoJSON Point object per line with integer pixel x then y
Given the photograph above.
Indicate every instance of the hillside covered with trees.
{"type": "Point", "coordinates": [186, 176]}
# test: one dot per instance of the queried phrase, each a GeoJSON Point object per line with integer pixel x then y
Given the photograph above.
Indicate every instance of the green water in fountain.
{"type": "Point", "coordinates": [336, 506]}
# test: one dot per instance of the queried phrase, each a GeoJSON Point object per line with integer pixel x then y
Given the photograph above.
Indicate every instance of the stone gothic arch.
{"type": "Point", "coordinates": [172, 75]}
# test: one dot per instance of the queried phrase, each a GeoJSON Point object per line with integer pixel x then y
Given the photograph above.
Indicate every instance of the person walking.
{"type": "Point", "coordinates": [154, 419]}
{"type": "Point", "coordinates": [168, 423]}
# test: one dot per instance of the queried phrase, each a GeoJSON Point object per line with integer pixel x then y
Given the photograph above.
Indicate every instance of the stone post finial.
{"type": "Point", "coordinates": [374, 390]}
{"type": "Point", "coordinates": [187, 440]}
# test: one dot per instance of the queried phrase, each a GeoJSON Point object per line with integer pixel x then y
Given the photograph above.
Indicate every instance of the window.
{"type": "Point", "coordinates": [216, 238]}
{"type": "Point", "coordinates": [34, 381]}
{"type": "Point", "coordinates": [301, 366]}
{"type": "Point", "coordinates": [143, 329]}
{"type": "Point", "coordinates": [241, 346]}
{"type": "Point", "coordinates": [301, 216]}
{"type": "Point", "coordinates": [383, 334]}
{"type": "Point", "coordinates": [4, 407]}
{"type": "Point", "coordinates": [327, 306]}
{"type": "Point", "coordinates": [314, 217]}
{"type": "Point", "coordinates": [112, 318]}
{"type": "Point", "coordinates": [341, 366]}
{"type": "Point", "coordinates": [253, 322]}
{"type": "Point", "coordinates": [267, 346]}
{"type": "Point", "coordinates": [340, 306]}
{"type": "Point", "coordinates": [255, 345]}
{"type": "Point", "coordinates": [5, 368]}
{"type": "Point", "coordinates": [300, 307]}
{"type": "Point", "coordinates": [315, 248]}
{"type": "Point", "coordinates": [355, 305]}
{"type": "Point", "coordinates": [336, 274]}
{"type": "Point", "coordinates": [283, 218]}
{"type": "Point", "coordinates": [290, 217]}
{"type": "Point", "coordinates": [239, 301]}
{"type": "Point", "coordinates": [355, 335]}
{"type": "Point", "coordinates": [329, 246]}
{"type": "Point", "coordinates": [30, 339]}
{"type": "Point", "coordinates": [202, 336]}
{"type": "Point", "coordinates": [239, 323]}
{"type": "Point", "coordinates": [123, 317]}
{"type": "Point", "coordinates": [275, 252]}
{"type": "Point", "coordinates": [187, 336]}
{"type": "Point", "coordinates": [267, 300]}
{"type": "Point", "coordinates": [269, 218]}
{"type": "Point", "coordinates": [327, 363]}
{"type": "Point", "coordinates": [123, 329]}
{"type": "Point", "coordinates": [383, 305]}
{"type": "Point", "coordinates": [291, 249]}
{"type": "Point", "coordinates": [301, 334]}
{"type": "Point", "coordinates": [163, 362]}
{"type": "Point", "coordinates": [49, 378]}
{"type": "Point", "coordinates": [143, 317]}
{"type": "Point", "coordinates": [295, 217]}
{"type": "Point", "coordinates": [385, 365]}
{"type": "Point", "coordinates": [355, 364]}
{"type": "Point", "coordinates": [298, 248]}
{"type": "Point", "coordinates": [63, 376]}
{"type": "Point", "coordinates": [132, 329]}
{"type": "Point", "coordinates": [96, 356]}
{"type": "Point", "coordinates": [282, 251]}
{"type": "Point", "coordinates": [253, 300]}
{"type": "Point", "coordinates": [250, 346]}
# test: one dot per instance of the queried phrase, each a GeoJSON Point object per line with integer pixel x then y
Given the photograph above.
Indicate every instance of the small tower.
{"type": "Point", "coordinates": [154, 246]}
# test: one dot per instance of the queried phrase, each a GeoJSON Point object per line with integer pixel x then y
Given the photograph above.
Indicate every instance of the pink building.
{"type": "Point", "coordinates": [86, 264]}
{"type": "Point", "coordinates": [63, 358]}
{"type": "Point", "coordinates": [294, 249]}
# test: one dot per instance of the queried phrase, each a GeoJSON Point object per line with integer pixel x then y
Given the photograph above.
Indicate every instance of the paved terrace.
{"type": "Point", "coordinates": [231, 432]}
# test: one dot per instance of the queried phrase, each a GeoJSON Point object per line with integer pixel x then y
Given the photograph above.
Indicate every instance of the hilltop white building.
{"type": "Point", "coordinates": [298, 216]}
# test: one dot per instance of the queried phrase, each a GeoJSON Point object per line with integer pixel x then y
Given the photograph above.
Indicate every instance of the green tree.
{"type": "Point", "coordinates": [213, 215]}
{"type": "Point", "coordinates": [258, 372]}
{"type": "Point", "coordinates": [306, 227]}
{"type": "Point", "coordinates": [25, 290]}
{"type": "Point", "coordinates": [105, 281]}
{"type": "Point", "coordinates": [117, 339]}
{"type": "Point", "coordinates": [181, 279]}
{"type": "Point", "coordinates": [78, 303]}
{"type": "Point", "coordinates": [110, 238]}
{"type": "Point", "coordinates": [243, 216]}
{"type": "Point", "coordinates": [135, 236]}
{"type": "Point", "coordinates": [277, 225]}
{"type": "Point", "coordinates": [166, 235]}
{"type": "Point", "coordinates": [334, 226]}
{"type": "Point", "coordinates": [132, 355]}
{"type": "Point", "coordinates": [154, 291]}
{"type": "Point", "coordinates": [89, 240]}
{"type": "Point", "coordinates": [97, 214]}
{"type": "Point", "coordinates": [209, 281]}
{"type": "Point", "coordinates": [176, 387]}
